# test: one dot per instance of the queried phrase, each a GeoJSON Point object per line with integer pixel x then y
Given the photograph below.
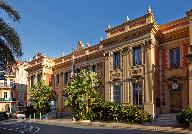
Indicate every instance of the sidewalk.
{"type": "Point", "coordinates": [148, 126]}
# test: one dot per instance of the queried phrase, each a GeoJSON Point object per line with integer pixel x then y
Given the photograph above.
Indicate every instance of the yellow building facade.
{"type": "Point", "coordinates": [139, 63]}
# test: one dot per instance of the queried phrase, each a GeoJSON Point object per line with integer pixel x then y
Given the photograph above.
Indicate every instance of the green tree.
{"type": "Point", "coordinates": [41, 95]}
{"type": "Point", "coordinates": [83, 92]}
{"type": "Point", "coordinates": [10, 44]}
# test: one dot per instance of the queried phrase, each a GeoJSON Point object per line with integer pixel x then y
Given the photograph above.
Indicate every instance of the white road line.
{"type": "Point", "coordinates": [10, 123]}
{"type": "Point", "coordinates": [38, 129]}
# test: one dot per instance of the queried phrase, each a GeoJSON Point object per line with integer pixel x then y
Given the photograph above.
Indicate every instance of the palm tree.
{"type": "Point", "coordinates": [10, 43]}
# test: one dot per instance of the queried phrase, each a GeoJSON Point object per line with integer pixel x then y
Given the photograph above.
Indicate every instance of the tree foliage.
{"type": "Point", "coordinates": [41, 95]}
{"type": "Point", "coordinates": [185, 117]}
{"type": "Point", "coordinates": [10, 44]}
{"type": "Point", "coordinates": [83, 93]}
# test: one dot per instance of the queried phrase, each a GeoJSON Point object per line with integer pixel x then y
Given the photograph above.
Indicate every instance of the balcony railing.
{"type": "Point", "coordinates": [7, 99]}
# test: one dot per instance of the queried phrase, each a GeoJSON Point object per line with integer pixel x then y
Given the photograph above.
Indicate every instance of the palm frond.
{"type": "Point", "coordinates": [11, 38]}
{"type": "Point", "coordinates": [13, 14]}
{"type": "Point", "coordinates": [5, 53]}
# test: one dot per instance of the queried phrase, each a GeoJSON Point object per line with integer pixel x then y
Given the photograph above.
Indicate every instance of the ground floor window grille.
{"type": "Point", "coordinates": [117, 94]}
{"type": "Point", "coordinates": [137, 94]}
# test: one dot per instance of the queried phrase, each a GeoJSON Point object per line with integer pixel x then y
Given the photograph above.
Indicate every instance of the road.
{"type": "Point", "coordinates": [23, 127]}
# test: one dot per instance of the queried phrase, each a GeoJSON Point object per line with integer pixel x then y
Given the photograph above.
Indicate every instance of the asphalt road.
{"type": "Point", "coordinates": [22, 127]}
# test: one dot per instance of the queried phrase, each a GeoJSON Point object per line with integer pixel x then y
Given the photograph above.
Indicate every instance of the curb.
{"type": "Point", "coordinates": [116, 126]}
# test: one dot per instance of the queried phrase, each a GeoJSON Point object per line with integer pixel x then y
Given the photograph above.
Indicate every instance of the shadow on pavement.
{"type": "Point", "coordinates": [76, 129]}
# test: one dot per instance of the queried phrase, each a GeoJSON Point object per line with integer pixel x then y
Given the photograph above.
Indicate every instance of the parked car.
{"type": "Point", "coordinates": [20, 114]}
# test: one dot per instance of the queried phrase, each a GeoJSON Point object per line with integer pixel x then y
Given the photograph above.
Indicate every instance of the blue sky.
{"type": "Point", "coordinates": [54, 26]}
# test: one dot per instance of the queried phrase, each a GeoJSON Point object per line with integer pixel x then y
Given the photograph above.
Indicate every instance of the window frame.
{"type": "Point", "coordinates": [116, 60]}
{"type": "Point", "coordinates": [117, 95]}
{"type": "Point", "coordinates": [5, 82]}
{"type": "Point", "coordinates": [174, 60]}
{"type": "Point", "coordinates": [136, 51]}
{"type": "Point", "coordinates": [137, 88]}
{"type": "Point", "coordinates": [66, 77]}
{"type": "Point", "coordinates": [5, 94]}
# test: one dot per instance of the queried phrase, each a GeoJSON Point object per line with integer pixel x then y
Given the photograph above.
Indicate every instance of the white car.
{"type": "Point", "coordinates": [20, 115]}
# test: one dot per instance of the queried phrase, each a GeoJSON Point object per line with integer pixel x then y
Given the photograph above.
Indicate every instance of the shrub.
{"type": "Point", "coordinates": [185, 117]}
{"type": "Point", "coordinates": [110, 111]}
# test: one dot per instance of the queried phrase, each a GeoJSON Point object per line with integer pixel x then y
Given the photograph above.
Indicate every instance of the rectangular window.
{"type": "Point", "coordinates": [21, 97]}
{"type": "Point", "coordinates": [11, 83]}
{"type": "Point", "coordinates": [66, 77]}
{"type": "Point", "coordinates": [137, 56]}
{"type": "Point", "coordinates": [94, 68]}
{"type": "Point", "coordinates": [12, 95]}
{"type": "Point", "coordinates": [39, 78]}
{"type": "Point", "coordinates": [174, 56]}
{"type": "Point", "coordinates": [117, 94]}
{"type": "Point", "coordinates": [5, 82]}
{"type": "Point", "coordinates": [57, 79]}
{"type": "Point", "coordinates": [32, 80]}
{"type": "Point", "coordinates": [5, 94]}
{"type": "Point", "coordinates": [137, 94]}
{"type": "Point", "coordinates": [116, 60]}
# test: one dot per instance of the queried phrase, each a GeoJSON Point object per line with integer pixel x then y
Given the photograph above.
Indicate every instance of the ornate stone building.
{"type": "Point", "coordinates": [140, 63]}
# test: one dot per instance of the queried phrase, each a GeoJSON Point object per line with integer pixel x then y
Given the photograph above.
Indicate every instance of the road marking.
{"type": "Point", "coordinates": [38, 129]}
{"type": "Point", "coordinates": [11, 123]}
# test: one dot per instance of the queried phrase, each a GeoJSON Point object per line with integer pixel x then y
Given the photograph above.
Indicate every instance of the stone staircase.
{"type": "Point", "coordinates": [165, 120]}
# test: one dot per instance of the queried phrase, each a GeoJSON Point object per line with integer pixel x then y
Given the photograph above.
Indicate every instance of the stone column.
{"type": "Point", "coordinates": [107, 75]}
{"type": "Point", "coordinates": [125, 94]}
{"type": "Point", "coordinates": [190, 77]}
{"type": "Point", "coordinates": [189, 56]}
{"type": "Point", "coordinates": [61, 85]}
{"type": "Point", "coordinates": [148, 87]}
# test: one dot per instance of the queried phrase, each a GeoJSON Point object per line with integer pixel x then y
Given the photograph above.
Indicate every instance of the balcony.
{"type": "Point", "coordinates": [7, 99]}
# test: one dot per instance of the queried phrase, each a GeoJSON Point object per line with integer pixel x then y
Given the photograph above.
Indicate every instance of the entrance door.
{"type": "Point", "coordinates": [175, 97]}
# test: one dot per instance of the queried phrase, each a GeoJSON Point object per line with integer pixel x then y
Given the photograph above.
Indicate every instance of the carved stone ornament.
{"type": "Point", "coordinates": [79, 45]}
{"type": "Point", "coordinates": [136, 71]}
{"type": "Point", "coordinates": [126, 50]}
{"type": "Point", "coordinates": [147, 44]}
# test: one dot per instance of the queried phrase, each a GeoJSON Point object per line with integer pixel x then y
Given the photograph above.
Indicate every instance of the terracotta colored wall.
{"type": "Point", "coordinates": [185, 51]}
{"type": "Point", "coordinates": [164, 58]}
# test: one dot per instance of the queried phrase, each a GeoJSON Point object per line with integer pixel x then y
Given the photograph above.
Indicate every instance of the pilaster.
{"type": "Point", "coordinates": [149, 91]}
{"type": "Point", "coordinates": [107, 75]}
{"type": "Point", "coordinates": [125, 93]}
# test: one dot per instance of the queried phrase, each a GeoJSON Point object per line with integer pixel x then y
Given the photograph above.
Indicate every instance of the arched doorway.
{"type": "Point", "coordinates": [7, 107]}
